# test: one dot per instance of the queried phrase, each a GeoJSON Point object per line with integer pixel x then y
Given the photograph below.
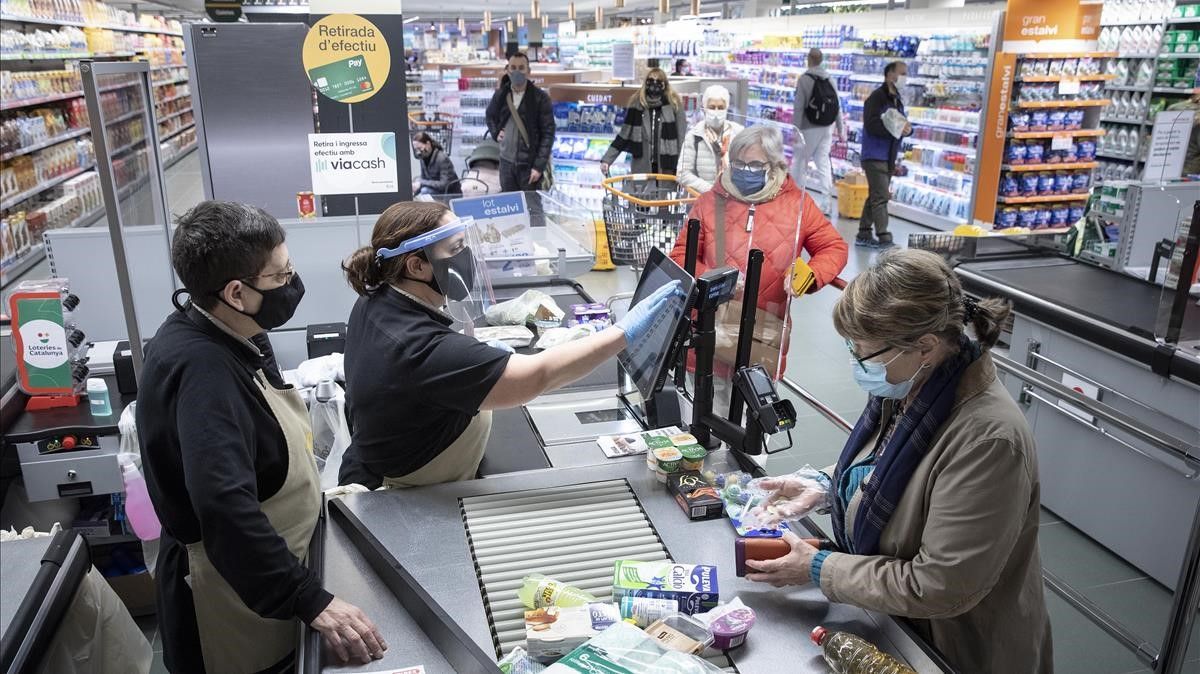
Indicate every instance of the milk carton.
{"type": "Point", "coordinates": [692, 586]}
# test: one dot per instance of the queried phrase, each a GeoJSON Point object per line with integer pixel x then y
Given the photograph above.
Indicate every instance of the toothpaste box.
{"type": "Point", "coordinates": [554, 631]}
{"type": "Point", "coordinates": [692, 586]}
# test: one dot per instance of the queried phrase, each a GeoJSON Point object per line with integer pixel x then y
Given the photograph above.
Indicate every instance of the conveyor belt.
{"type": "Point", "coordinates": [572, 534]}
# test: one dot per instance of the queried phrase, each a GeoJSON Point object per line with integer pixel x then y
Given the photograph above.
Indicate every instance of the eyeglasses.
{"type": "Point", "coordinates": [283, 277]}
{"type": "Point", "coordinates": [862, 361]}
{"type": "Point", "coordinates": [755, 166]}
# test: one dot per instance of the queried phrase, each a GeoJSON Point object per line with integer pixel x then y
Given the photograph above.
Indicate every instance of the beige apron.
{"type": "Point", "coordinates": [233, 637]}
{"type": "Point", "coordinates": [459, 461]}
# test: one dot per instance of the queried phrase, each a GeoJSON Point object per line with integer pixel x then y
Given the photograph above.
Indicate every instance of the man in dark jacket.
{"type": "Point", "coordinates": [879, 150]}
{"type": "Point", "coordinates": [524, 146]}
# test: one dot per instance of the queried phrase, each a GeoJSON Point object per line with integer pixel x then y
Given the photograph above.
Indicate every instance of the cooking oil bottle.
{"type": "Point", "coordinates": [850, 654]}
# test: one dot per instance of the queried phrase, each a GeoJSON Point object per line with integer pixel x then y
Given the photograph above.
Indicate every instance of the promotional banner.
{"type": "Point", "coordinates": [353, 163]}
{"type": "Point", "coordinates": [347, 58]}
{"type": "Point", "coordinates": [503, 224]}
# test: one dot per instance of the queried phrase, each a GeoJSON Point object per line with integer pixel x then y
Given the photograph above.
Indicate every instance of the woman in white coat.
{"type": "Point", "coordinates": [704, 150]}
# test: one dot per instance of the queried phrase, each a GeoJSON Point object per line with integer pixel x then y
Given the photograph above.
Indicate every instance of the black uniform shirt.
{"type": "Point", "coordinates": [212, 451]}
{"type": "Point", "coordinates": [412, 383]}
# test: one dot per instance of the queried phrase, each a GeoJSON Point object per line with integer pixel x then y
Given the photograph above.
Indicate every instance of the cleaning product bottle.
{"type": "Point", "coordinates": [538, 591]}
{"type": "Point", "coordinates": [138, 508]}
{"type": "Point", "coordinates": [850, 654]}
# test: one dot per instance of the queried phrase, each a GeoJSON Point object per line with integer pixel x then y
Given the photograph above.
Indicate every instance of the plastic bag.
{"type": "Point", "coordinates": [127, 426]}
{"type": "Point", "coordinates": [331, 431]}
{"type": "Point", "coordinates": [516, 336]}
{"type": "Point", "coordinates": [531, 304]}
{"type": "Point", "coordinates": [555, 336]}
{"type": "Point", "coordinates": [11, 534]}
{"type": "Point", "coordinates": [316, 370]}
{"type": "Point", "coordinates": [624, 647]}
{"type": "Point", "coordinates": [789, 497]}
{"type": "Point", "coordinates": [519, 662]}
{"type": "Point", "coordinates": [894, 120]}
{"type": "Point", "coordinates": [96, 635]}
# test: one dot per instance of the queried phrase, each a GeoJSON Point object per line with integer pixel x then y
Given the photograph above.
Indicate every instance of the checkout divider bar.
{"type": "Point", "coordinates": [463, 654]}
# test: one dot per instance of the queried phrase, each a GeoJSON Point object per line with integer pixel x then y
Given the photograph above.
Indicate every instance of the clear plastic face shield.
{"type": "Point", "coordinates": [458, 272]}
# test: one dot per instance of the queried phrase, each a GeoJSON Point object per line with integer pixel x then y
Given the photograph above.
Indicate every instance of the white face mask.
{"type": "Point", "coordinates": [901, 81]}
{"type": "Point", "coordinates": [715, 118]}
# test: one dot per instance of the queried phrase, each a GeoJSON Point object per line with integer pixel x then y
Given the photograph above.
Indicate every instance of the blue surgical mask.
{"type": "Point", "coordinates": [517, 78]}
{"type": "Point", "coordinates": [748, 182]}
{"type": "Point", "coordinates": [872, 378]}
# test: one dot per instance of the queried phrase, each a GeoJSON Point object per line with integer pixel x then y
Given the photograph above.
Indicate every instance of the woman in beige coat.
{"type": "Point", "coordinates": [935, 498]}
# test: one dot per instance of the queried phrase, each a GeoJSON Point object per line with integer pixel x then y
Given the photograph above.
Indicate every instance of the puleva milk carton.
{"type": "Point", "coordinates": [692, 586]}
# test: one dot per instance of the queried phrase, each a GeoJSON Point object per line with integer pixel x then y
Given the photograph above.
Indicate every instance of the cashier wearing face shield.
{"type": "Point", "coordinates": [419, 392]}
{"type": "Point", "coordinates": [227, 452]}
{"type": "Point", "coordinates": [935, 498]}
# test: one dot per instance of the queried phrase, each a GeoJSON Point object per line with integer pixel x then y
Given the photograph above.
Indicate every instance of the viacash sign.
{"type": "Point", "coordinates": [1027, 20]}
{"type": "Point", "coordinates": [352, 163]}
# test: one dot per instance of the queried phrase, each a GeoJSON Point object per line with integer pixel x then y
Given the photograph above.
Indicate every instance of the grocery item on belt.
{"type": "Point", "coordinates": [680, 633]}
{"type": "Point", "coordinates": [552, 632]}
{"type": "Point", "coordinates": [698, 499]}
{"type": "Point", "coordinates": [692, 586]}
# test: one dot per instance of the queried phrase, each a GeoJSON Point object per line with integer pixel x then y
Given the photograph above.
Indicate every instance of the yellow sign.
{"type": "Point", "coordinates": [347, 58]}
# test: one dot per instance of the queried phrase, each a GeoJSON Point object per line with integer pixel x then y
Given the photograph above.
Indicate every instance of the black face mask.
{"type": "Point", "coordinates": [278, 304]}
{"type": "Point", "coordinates": [422, 154]}
{"type": "Point", "coordinates": [459, 270]}
{"type": "Point", "coordinates": [655, 89]}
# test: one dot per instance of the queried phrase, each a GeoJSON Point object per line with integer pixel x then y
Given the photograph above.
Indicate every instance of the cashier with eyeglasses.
{"type": "Point", "coordinates": [228, 456]}
{"type": "Point", "coordinates": [419, 395]}
{"type": "Point", "coordinates": [935, 499]}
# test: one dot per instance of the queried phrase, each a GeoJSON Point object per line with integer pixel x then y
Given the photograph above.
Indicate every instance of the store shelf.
{"type": "Point", "coordinates": [168, 82]}
{"type": "Point", "coordinates": [933, 144]}
{"type": "Point", "coordinates": [1066, 166]}
{"type": "Point", "coordinates": [27, 261]}
{"type": "Point", "coordinates": [1183, 19]}
{"type": "Point", "coordinates": [942, 125]}
{"type": "Point", "coordinates": [1133, 55]}
{"type": "Point", "coordinates": [179, 157]}
{"type": "Point", "coordinates": [1115, 155]}
{"type": "Point", "coordinates": [1142, 22]}
{"type": "Point", "coordinates": [53, 182]}
{"type": "Point", "coordinates": [174, 115]}
{"type": "Point", "coordinates": [24, 103]}
{"type": "Point", "coordinates": [1043, 199]}
{"type": "Point", "coordinates": [1119, 120]}
{"type": "Point", "coordinates": [1065, 78]}
{"type": "Point", "coordinates": [928, 187]}
{"type": "Point", "coordinates": [127, 147]}
{"type": "Point", "coordinates": [589, 136]}
{"type": "Point", "coordinates": [44, 144]}
{"type": "Point", "coordinates": [923, 216]}
{"type": "Point", "coordinates": [129, 115]}
{"type": "Point", "coordinates": [176, 132]}
{"type": "Point", "coordinates": [81, 24]}
{"type": "Point", "coordinates": [1179, 56]}
{"type": "Point", "coordinates": [772, 104]}
{"type": "Point", "coordinates": [173, 98]}
{"type": "Point", "coordinates": [1174, 91]}
{"type": "Point", "coordinates": [1128, 87]}
{"type": "Point", "coordinates": [1091, 103]}
{"type": "Point", "coordinates": [918, 167]}
{"type": "Point", "coordinates": [1076, 133]}
{"type": "Point", "coordinates": [575, 162]}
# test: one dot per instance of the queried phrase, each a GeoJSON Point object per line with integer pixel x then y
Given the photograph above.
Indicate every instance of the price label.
{"type": "Point", "coordinates": [1068, 87]}
{"type": "Point", "coordinates": [1061, 142]}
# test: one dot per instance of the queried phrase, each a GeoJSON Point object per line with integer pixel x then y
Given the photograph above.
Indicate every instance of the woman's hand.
{"type": "Point", "coordinates": [349, 633]}
{"type": "Point", "coordinates": [604, 168]}
{"type": "Point", "coordinates": [794, 568]}
{"type": "Point", "coordinates": [792, 497]}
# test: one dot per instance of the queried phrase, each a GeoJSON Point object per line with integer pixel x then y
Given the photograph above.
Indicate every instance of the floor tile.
{"type": "Point", "coordinates": [1080, 647]}
{"type": "Point", "coordinates": [1142, 605]}
{"type": "Point", "coordinates": [1080, 561]}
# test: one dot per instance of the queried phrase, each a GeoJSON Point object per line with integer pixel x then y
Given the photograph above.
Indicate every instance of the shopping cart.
{"type": "Point", "coordinates": [439, 126]}
{"type": "Point", "coordinates": [641, 212]}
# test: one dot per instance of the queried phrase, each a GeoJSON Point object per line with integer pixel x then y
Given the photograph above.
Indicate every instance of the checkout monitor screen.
{"type": "Point", "coordinates": [648, 362]}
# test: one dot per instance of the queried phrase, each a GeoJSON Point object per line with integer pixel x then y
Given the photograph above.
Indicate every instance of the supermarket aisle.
{"type": "Point", "coordinates": [184, 190]}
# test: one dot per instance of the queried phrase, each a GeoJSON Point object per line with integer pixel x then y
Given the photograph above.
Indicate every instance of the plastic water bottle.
{"type": "Point", "coordinates": [538, 591]}
{"type": "Point", "coordinates": [138, 508]}
{"type": "Point", "coordinates": [850, 654]}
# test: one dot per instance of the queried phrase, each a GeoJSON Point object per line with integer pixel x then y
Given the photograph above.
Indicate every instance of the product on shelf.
{"type": "Point", "coordinates": [23, 86]}
{"type": "Point", "coordinates": [1118, 12]}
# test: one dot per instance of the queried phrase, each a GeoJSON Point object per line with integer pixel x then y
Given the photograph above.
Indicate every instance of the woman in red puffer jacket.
{"type": "Point", "coordinates": [758, 205]}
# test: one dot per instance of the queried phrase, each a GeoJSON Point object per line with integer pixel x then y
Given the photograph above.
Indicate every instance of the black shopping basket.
{"type": "Point", "coordinates": [641, 212]}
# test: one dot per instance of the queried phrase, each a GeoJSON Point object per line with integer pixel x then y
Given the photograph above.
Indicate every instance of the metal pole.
{"type": "Point", "coordinates": [1183, 609]}
{"type": "Point", "coordinates": [112, 206]}
{"type": "Point", "coordinates": [689, 266]}
{"type": "Point", "coordinates": [754, 265]}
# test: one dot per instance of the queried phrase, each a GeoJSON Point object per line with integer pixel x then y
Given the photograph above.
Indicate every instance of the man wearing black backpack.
{"type": "Point", "coordinates": [817, 111]}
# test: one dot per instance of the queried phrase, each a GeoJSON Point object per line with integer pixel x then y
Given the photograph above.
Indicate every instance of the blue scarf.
{"type": "Point", "coordinates": [907, 447]}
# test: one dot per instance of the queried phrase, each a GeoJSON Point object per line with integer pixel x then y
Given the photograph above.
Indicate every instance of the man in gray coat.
{"type": "Point", "coordinates": [816, 121]}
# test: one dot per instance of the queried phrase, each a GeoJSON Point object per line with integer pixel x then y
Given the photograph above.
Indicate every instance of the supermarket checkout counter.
{"type": "Point", "coordinates": [453, 603]}
{"type": "Point", "coordinates": [1133, 346]}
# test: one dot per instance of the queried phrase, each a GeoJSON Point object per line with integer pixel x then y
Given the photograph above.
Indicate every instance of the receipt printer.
{"type": "Point", "coordinates": [326, 338]}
